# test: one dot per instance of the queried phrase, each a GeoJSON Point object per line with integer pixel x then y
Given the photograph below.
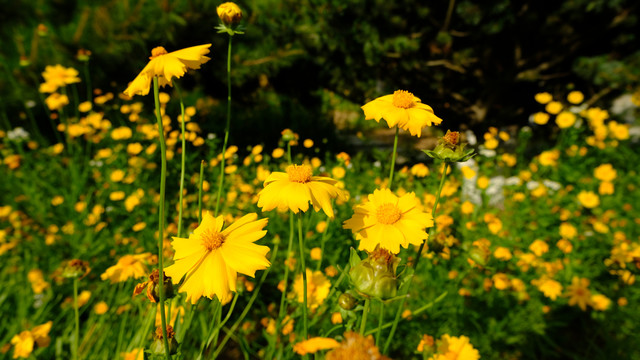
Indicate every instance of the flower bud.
{"type": "Point", "coordinates": [450, 149]}
{"type": "Point", "coordinates": [347, 302]}
{"type": "Point", "coordinates": [229, 13]}
{"type": "Point", "coordinates": [75, 268]}
{"type": "Point", "coordinates": [157, 347]}
{"type": "Point", "coordinates": [153, 290]}
{"type": "Point", "coordinates": [375, 276]}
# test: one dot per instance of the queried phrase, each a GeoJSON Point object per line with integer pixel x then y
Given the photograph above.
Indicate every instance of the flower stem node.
{"type": "Point", "coordinates": [157, 348]}
{"type": "Point", "coordinates": [450, 149]}
{"type": "Point", "coordinates": [375, 276]}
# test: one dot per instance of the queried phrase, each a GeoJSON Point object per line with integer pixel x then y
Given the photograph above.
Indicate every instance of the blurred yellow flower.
{"type": "Point", "coordinates": [565, 119]}
{"type": "Point", "coordinates": [314, 345]}
{"type": "Point", "coordinates": [549, 287]}
{"type": "Point", "coordinates": [455, 348]}
{"type": "Point", "coordinates": [296, 188]}
{"type": "Point", "coordinates": [25, 342]}
{"type": "Point", "coordinates": [129, 266]}
{"type": "Point", "coordinates": [600, 302]}
{"type": "Point", "coordinates": [402, 109]}
{"type": "Point", "coordinates": [56, 101]}
{"type": "Point", "coordinates": [605, 172]}
{"type": "Point", "coordinates": [575, 97]}
{"type": "Point", "coordinates": [356, 347]}
{"type": "Point", "coordinates": [553, 107]}
{"type": "Point", "coordinates": [588, 199]}
{"type": "Point", "coordinates": [166, 66]}
{"type": "Point", "coordinates": [543, 97]}
{"type": "Point", "coordinates": [58, 76]}
{"type": "Point", "coordinates": [318, 287]}
{"type": "Point", "coordinates": [540, 118]}
{"type": "Point", "coordinates": [389, 221]}
{"type": "Point", "coordinates": [101, 308]}
{"type": "Point", "coordinates": [579, 293]}
{"type": "Point", "coordinates": [135, 354]}
{"type": "Point", "coordinates": [212, 256]}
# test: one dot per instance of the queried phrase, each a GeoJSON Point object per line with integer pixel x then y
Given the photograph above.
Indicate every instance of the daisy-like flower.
{"type": "Point", "coordinates": [296, 188]}
{"type": "Point", "coordinates": [129, 266]}
{"type": "Point", "coordinates": [402, 109]}
{"type": "Point", "coordinates": [389, 221]}
{"type": "Point", "coordinates": [25, 342]}
{"type": "Point", "coordinates": [166, 66]}
{"type": "Point", "coordinates": [579, 293]}
{"type": "Point", "coordinates": [211, 257]}
{"type": "Point", "coordinates": [58, 76]}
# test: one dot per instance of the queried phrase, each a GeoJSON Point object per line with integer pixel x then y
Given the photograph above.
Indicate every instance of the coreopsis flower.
{"type": "Point", "coordinates": [56, 101]}
{"type": "Point", "coordinates": [543, 98]}
{"type": "Point", "coordinates": [318, 287]}
{"type": "Point", "coordinates": [166, 66]}
{"type": "Point", "coordinates": [229, 13]}
{"type": "Point", "coordinates": [579, 293]}
{"type": "Point", "coordinates": [605, 172]}
{"type": "Point", "coordinates": [402, 109]}
{"type": "Point", "coordinates": [588, 199]}
{"type": "Point", "coordinates": [25, 342]}
{"type": "Point", "coordinates": [296, 188]}
{"type": "Point", "coordinates": [565, 119]}
{"type": "Point", "coordinates": [455, 347]}
{"type": "Point", "coordinates": [575, 97]}
{"type": "Point", "coordinates": [135, 354]}
{"type": "Point", "coordinates": [549, 287]}
{"type": "Point", "coordinates": [355, 346]}
{"type": "Point", "coordinates": [212, 257]}
{"type": "Point", "coordinates": [129, 266]}
{"type": "Point", "coordinates": [313, 345]}
{"type": "Point", "coordinates": [389, 221]}
{"type": "Point", "coordinates": [58, 76]}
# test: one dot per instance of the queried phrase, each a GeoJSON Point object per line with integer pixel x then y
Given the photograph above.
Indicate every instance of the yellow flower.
{"type": "Point", "coordinates": [565, 119]}
{"type": "Point", "coordinates": [129, 266]}
{"type": "Point", "coordinates": [553, 107]}
{"type": "Point", "coordinates": [211, 257]}
{"type": "Point", "coordinates": [389, 221]}
{"type": "Point", "coordinates": [575, 97]}
{"type": "Point", "coordinates": [56, 101]}
{"type": "Point", "coordinates": [539, 247]}
{"type": "Point", "coordinates": [25, 341]}
{"type": "Point", "coordinates": [296, 188]}
{"type": "Point", "coordinates": [541, 118]}
{"type": "Point", "coordinates": [420, 170]}
{"type": "Point", "coordinates": [229, 13]}
{"type": "Point", "coordinates": [588, 199]}
{"type": "Point", "coordinates": [502, 253]}
{"type": "Point", "coordinates": [568, 231]}
{"type": "Point", "coordinates": [58, 76]}
{"type": "Point", "coordinates": [455, 348]}
{"type": "Point", "coordinates": [543, 97]}
{"type": "Point", "coordinates": [549, 287]}
{"type": "Point", "coordinates": [101, 308]}
{"type": "Point", "coordinates": [402, 109]}
{"type": "Point", "coordinates": [135, 354]}
{"type": "Point", "coordinates": [600, 302]}
{"type": "Point", "coordinates": [314, 345]}
{"type": "Point", "coordinates": [605, 172]}
{"type": "Point", "coordinates": [317, 288]}
{"type": "Point", "coordinates": [356, 347]}
{"type": "Point", "coordinates": [166, 66]}
{"type": "Point", "coordinates": [579, 293]}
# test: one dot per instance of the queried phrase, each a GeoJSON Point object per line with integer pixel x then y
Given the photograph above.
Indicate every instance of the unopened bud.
{"type": "Point", "coordinates": [347, 302]}
{"type": "Point", "coordinates": [375, 276]}
{"type": "Point", "coordinates": [450, 149]}
{"type": "Point", "coordinates": [75, 268]}
{"type": "Point", "coordinates": [157, 348]}
{"type": "Point", "coordinates": [229, 13]}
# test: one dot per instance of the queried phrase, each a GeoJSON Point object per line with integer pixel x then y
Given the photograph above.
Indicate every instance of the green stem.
{"type": "Point", "coordinates": [87, 80]}
{"type": "Point", "coordinates": [283, 298]}
{"type": "Point", "coordinates": [323, 240]}
{"type": "Point", "coordinates": [163, 180]}
{"type": "Point", "coordinates": [226, 130]}
{"type": "Point", "coordinates": [396, 320]}
{"type": "Point", "coordinates": [200, 191]}
{"type": "Point", "coordinates": [244, 313]}
{"type": "Point", "coordinates": [184, 150]}
{"type": "Point", "coordinates": [365, 312]}
{"type": "Point", "coordinates": [414, 313]}
{"type": "Point", "coordinates": [380, 321]}
{"type": "Point", "coordinates": [393, 157]}
{"type": "Point", "coordinates": [76, 338]}
{"type": "Point", "coordinates": [304, 279]}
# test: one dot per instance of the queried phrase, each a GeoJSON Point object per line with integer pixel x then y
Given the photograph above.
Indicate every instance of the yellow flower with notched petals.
{"type": "Point", "coordinates": [402, 109]}
{"type": "Point", "coordinates": [166, 66]}
{"type": "Point", "coordinates": [296, 188]}
{"type": "Point", "coordinates": [389, 221]}
{"type": "Point", "coordinates": [212, 257]}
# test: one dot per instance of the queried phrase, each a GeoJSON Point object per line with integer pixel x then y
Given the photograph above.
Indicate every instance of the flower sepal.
{"type": "Point", "coordinates": [222, 28]}
{"type": "Point", "coordinates": [449, 149]}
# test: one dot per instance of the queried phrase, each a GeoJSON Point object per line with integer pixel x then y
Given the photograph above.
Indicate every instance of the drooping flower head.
{"type": "Point", "coordinates": [166, 66]}
{"type": "Point", "coordinates": [402, 109]}
{"type": "Point", "coordinates": [296, 188]}
{"type": "Point", "coordinates": [389, 221]}
{"type": "Point", "coordinates": [211, 257]}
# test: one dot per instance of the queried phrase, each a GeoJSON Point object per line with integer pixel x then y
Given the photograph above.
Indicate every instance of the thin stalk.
{"type": "Point", "coordinates": [396, 320]}
{"type": "Point", "coordinates": [200, 191]}
{"type": "Point", "coordinates": [380, 321]}
{"type": "Point", "coordinates": [323, 240]}
{"type": "Point", "coordinates": [304, 279]}
{"type": "Point", "coordinates": [226, 129]}
{"type": "Point", "coordinates": [76, 338]}
{"type": "Point", "coordinates": [184, 150]}
{"type": "Point", "coordinates": [87, 79]}
{"type": "Point", "coordinates": [163, 180]}
{"type": "Point", "coordinates": [244, 313]}
{"type": "Point", "coordinates": [393, 156]}
{"type": "Point", "coordinates": [283, 298]}
{"type": "Point", "coordinates": [365, 312]}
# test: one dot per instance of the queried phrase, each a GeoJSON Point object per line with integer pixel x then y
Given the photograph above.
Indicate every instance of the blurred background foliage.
{"type": "Point", "coordinates": [310, 64]}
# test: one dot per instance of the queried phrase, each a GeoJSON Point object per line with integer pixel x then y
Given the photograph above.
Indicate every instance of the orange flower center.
{"type": "Point", "coordinates": [388, 213]}
{"type": "Point", "coordinates": [299, 173]}
{"type": "Point", "coordinates": [212, 240]}
{"type": "Point", "coordinates": [402, 99]}
{"type": "Point", "coordinates": [157, 51]}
